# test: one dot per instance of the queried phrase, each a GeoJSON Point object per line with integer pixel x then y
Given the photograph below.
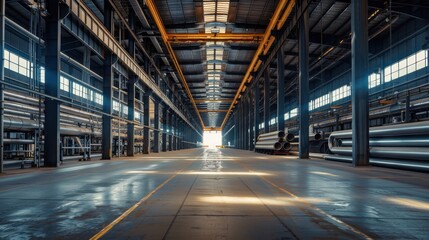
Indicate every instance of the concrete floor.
{"type": "Point", "coordinates": [214, 194]}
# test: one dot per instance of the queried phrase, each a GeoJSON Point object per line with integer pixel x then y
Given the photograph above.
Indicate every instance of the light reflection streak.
{"type": "Point", "coordinates": [407, 202]}
{"type": "Point", "coordinates": [279, 201]}
{"type": "Point", "coordinates": [141, 171]}
{"type": "Point", "coordinates": [324, 174]}
{"type": "Point", "coordinates": [226, 173]}
{"type": "Point", "coordinates": [201, 173]}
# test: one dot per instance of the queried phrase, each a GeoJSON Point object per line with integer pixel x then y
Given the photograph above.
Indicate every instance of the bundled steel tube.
{"type": "Point", "coordinates": [278, 139]}
{"type": "Point", "coordinates": [275, 141]}
{"type": "Point", "coordinates": [408, 141]}
{"type": "Point", "coordinates": [274, 146]}
{"type": "Point", "coordinates": [276, 134]}
{"type": "Point", "coordinates": [19, 124]}
{"type": "Point", "coordinates": [412, 153]}
{"type": "Point", "coordinates": [287, 146]}
{"type": "Point", "coordinates": [390, 163]}
{"type": "Point", "coordinates": [405, 129]}
{"type": "Point", "coordinates": [418, 141]}
{"type": "Point", "coordinates": [17, 141]}
{"type": "Point", "coordinates": [311, 137]}
{"type": "Point", "coordinates": [22, 124]}
{"type": "Point", "coordinates": [290, 137]}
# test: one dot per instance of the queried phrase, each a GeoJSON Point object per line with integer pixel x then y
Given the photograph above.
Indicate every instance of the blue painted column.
{"type": "Point", "coordinates": [267, 100]}
{"type": "Point", "coordinates": [106, 141]}
{"type": "Point", "coordinates": [2, 35]}
{"type": "Point", "coordinates": [360, 118]}
{"type": "Point", "coordinates": [304, 92]}
{"type": "Point", "coordinates": [52, 86]}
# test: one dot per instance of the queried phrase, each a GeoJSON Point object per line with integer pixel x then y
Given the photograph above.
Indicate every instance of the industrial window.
{"type": "Point", "coordinates": [340, 93]}
{"type": "Point", "coordinates": [215, 11]}
{"type": "Point", "coordinates": [321, 101]}
{"type": "Point", "coordinates": [125, 109]}
{"type": "Point", "coordinates": [374, 80]}
{"type": "Point", "coordinates": [311, 105]}
{"type": "Point", "coordinates": [6, 60]}
{"type": "Point", "coordinates": [91, 94]}
{"type": "Point", "coordinates": [98, 98]}
{"type": "Point", "coordinates": [13, 61]}
{"type": "Point", "coordinates": [286, 116]}
{"type": "Point", "coordinates": [273, 121]}
{"type": "Point", "coordinates": [116, 106]}
{"type": "Point", "coordinates": [16, 63]}
{"type": "Point", "coordinates": [42, 74]}
{"type": "Point", "coordinates": [408, 65]}
{"type": "Point", "coordinates": [294, 112]}
{"type": "Point", "coordinates": [65, 84]}
{"type": "Point", "coordinates": [213, 84]}
{"type": "Point", "coordinates": [80, 90]}
{"type": "Point", "coordinates": [136, 115]}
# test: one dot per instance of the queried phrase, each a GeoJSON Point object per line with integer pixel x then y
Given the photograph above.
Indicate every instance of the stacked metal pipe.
{"type": "Point", "coordinates": [315, 141]}
{"type": "Point", "coordinates": [274, 141]}
{"type": "Point", "coordinates": [407, 141]}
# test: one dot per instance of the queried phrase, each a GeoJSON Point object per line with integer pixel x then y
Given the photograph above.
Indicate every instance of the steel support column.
{"type": "Point", "coordinates": [280, 91]}
{"type": "Point", "coordinates": [177, 133]}
{"type": "Point", "coordinates": [2, 35]}
{"type": "Point", "coordinates": [236, 129]}
{"type": "Point", "coordinates": [267, 100]}
{"type": "Point", "coordinates": [131, 106]}
{"type": "Point", "coordinates": [251, 123]}
{"type": "Point", "coordinates": [174, 132]}
{"type": "Point", "coordinates": [256, 110]}
{"type": "Point", "coordinates": [146, 122]}
{"type": "Point", "coordinates": [170, 131]}
{"type": "Point", "coordinates": [131, 92]}
{"type": "Point", "coordinates": [106, 142]}
{"type": "Point", "coordinates": [156, 126]}
{"type": "Point", "coordinates": [52, 85]}
{"type": "Point", "coordinates": [303, 87]}
{"type": "Point", "coordinates": [164, 131]}
{"type": "Point", "coordinates": [237, 119]}
{"type": "Point", "coordinates": [242, 123]}
{"type": "Point", "coordinates": [360, 118]}
{"type": "Point", "coordinates": [246, 122]}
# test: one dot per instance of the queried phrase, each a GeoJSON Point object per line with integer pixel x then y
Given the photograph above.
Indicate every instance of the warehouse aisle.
{"type": "Point", "coordinates": [214, 194]}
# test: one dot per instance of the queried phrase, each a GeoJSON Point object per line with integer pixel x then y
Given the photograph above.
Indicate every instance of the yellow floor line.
{"type": "Point", "coordinates": [130, 210]}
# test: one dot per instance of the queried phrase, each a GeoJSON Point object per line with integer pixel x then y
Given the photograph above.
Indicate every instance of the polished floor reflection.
{"type": "Point", "coordinates": [214, 194]}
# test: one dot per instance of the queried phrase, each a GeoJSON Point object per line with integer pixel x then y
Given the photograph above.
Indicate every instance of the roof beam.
{"type": "Point", "coordinates": [276, 23]}
{"type": "Point", "coordinates": [214, 72]}
{"type": "Point", "coordinates": [158, 21]}
{"type": "Point", "coordinates": [216, 62]}
{"type": "Point", "coordinates": [210, 37]}
{"type": "Point", "coordinates": [209, 111]}
{"type": "Point", "coordinates": [197, 46]}
{"type": "Point", "coordinates": [213, 101]}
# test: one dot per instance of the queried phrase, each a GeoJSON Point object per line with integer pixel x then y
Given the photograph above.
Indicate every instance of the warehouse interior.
{"type": "Point", "coordinates": [214, 119]}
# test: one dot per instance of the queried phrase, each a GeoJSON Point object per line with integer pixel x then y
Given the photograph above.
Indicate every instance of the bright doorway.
{"type": "Point", "coordinates": [212, 138]}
